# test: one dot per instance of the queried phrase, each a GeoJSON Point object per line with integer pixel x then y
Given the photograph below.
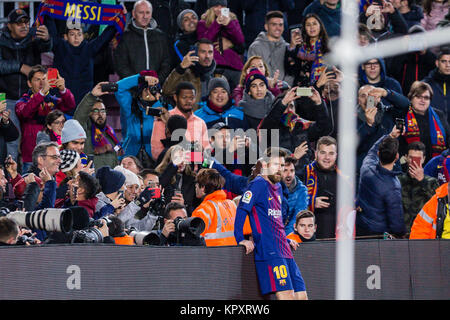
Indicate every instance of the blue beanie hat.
{"type": "Point", "coordinates": [110, 180]}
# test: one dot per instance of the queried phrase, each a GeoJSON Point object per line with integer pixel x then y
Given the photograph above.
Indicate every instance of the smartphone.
{"type": "Point", "coordinates": [194, 48]}
{"type": "Point", "coordinates": [330, 196]}
{"type": "Point", "coordinates": [156, 112]}
{"type": "Point", "coordinates": [225, 12]}
{"type": "Point", "coordinates": [370, 102]}
{"type": "Point", "coordinates": [295, 30]}
{"type": "Point", "coordinates": [52, 74]}
{"type": "Point", "coordinates": [417, 161]}
{"type": "Point", "coordinates": [304, 92]}
{"type": "Point", "coordinates": [32, 31]}
{"type": "Point", "coordinates": [90, 157]}
{"type": "Point", "coordinates": [2, 96]}
{"type": "Point", "coordinates": [20, 205]}
{"type": "Point", "coordinates": [157, 192]}
{"type": "Point", "coordinates": [330, 69]}
{"type": "Point", "coordinates": [110, 87]}
{"type": "Point", "coordinates": [400, 124]}
{"type": "Point", "coordinates": [196, 157]}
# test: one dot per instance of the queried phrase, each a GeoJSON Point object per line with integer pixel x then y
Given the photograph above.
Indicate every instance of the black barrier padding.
{"type": "Point", "coordinates": [407, 269]}
{"type": "Point", "coordinates": [317, 261]}
{"type": "Point", "coordinates": [395, 270]}
{"type": "Point", "coordinates": [367, 262]}
{"type": "Point", "coordinates": [444, 254]}
{"type": "Point", "coordinates": [427, 277]}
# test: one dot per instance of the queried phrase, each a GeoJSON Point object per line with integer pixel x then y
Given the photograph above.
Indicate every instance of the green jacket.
{"type": "Point", "coordinates": [82, 115]}
{"type": "Point", "coordinates": [414, 195]}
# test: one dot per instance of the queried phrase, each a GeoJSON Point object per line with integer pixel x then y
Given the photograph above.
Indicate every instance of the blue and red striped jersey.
{"type": "Point", "coordinates": [262, 203]}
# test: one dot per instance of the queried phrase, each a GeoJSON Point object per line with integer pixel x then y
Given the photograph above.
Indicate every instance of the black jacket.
{"type": "Point", "coordinates": [8, 132]}
{"type": "Point", "coordinates": [13, 55]}
{"type": "Point", "coordinates": [139, 46]}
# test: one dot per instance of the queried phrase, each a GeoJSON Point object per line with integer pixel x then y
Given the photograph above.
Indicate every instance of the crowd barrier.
{"type": "Point", "coordinates": [384, 270]}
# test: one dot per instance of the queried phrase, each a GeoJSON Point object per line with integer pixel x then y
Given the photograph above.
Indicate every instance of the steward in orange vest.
{"type": "Point", "coordinates": [216, 210]}
{"type": "Point", "coordinates": [433, 221]}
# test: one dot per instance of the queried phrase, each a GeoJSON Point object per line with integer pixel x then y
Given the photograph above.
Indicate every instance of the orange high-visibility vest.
{"type": "Point", "coordinates": [294, 236]}
{"type": "Point", "coordinates": [425, 223]}
{"type": "Point", "coordinates": [125, 240]}
{"type": "Point", "coordinates": [219, 214]}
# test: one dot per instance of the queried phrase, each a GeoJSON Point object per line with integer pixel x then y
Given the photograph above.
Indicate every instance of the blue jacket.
{"type": "Point", "coordinates": [232, 116]}
{"type": "Point", "coordinates": [297, 200]}
{"type": "Point", "coordinates": [437, 167]}
{"type": "Point", "coordinates": [130, 122]}
{"type": "Point", "coordinates": [379, 197]}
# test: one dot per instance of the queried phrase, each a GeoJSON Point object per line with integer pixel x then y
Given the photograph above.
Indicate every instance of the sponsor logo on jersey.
{"type": "Point", "coordinates": [247, 197]}
{"type": "Point", "coordinates": [276, 213]}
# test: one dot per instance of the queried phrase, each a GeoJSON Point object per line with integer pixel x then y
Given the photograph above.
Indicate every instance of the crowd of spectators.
{"type": "Point", "coordinates": [204, 89]}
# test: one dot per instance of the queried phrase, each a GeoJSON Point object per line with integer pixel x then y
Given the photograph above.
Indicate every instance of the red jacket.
{"type": "Point", "coordinates": [31, 109]}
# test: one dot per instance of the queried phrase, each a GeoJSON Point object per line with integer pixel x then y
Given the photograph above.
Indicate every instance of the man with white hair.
{"type": "Point", "coordinates": [143, 45]}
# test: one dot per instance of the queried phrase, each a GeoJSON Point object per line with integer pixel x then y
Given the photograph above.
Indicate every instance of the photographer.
{"type": "Point", "coordinates": [136, 210]}
{"type": "Point", "coordinates": [139, 100]}
{"type": "Point", "coordinates": [168, 235]}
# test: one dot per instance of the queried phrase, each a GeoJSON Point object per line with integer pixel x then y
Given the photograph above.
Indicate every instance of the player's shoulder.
{"type": "Point", "coordinates": [258, 182]}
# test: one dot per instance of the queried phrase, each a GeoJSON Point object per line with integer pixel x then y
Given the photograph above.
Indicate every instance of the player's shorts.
{"type": "Point", "coordinates": [279, 274]}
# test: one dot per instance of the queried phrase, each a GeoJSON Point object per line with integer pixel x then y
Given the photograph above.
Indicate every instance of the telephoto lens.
{"type": "Point", "coordinates": [145, 238]}
{"type": "Point", "coordinates": [193, 225]}
{"type": "Point", "coordinates": [50, 219]}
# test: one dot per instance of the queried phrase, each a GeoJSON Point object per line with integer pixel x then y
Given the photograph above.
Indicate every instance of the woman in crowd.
{"type": "Point", "coordinates": [305, 61]}
{"type": "Point", "coordinates": [433, 12]}
{"type": "Point", "coordinates": [257, 99]}
{"type": "Point", "coordinates": [177, 178]}
{"type": "Point", "coordinates": [138, 97]}
{"type": "Point", "coordinates": [54, 123]}
{"type": "Point", "coordinates": [225, 32]}
{"type": "Point", "coordinates": [258, 63]}
{"type": "Point", "coordinates": [424, 122]}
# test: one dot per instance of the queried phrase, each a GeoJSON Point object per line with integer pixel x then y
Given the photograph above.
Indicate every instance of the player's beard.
{"type": "Point", "coordinates": [274, 178]}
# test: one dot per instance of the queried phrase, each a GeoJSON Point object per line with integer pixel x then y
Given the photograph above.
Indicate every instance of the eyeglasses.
{"type": "Point", "coordinates": [53, 156]}
{"type": "Point", "coordinates": [97, 111]}
{"type": "Point", "coordinates": [371, 64]}
{"type": "Point", "coordinates": [426, 98]}
{"type": "Point", "coordinates": [58, 122]}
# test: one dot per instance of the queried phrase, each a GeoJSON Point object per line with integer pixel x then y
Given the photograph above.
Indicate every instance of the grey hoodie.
{"type": "Point", "coordinates": [272, 53]}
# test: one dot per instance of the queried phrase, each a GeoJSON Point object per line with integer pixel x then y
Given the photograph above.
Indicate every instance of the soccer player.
{"type": "Point", "coordinates": [275, 266]}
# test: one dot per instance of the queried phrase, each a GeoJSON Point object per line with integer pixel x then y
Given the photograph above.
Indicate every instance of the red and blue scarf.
{"type": "Point", "coordinates": [437, 132]}
{"type": "Point", "coordinates": [313, 53]}
{"type": "Point", "coordinates": [100, 142]}
{"type": "Point", "coordinates": [85, 12]}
